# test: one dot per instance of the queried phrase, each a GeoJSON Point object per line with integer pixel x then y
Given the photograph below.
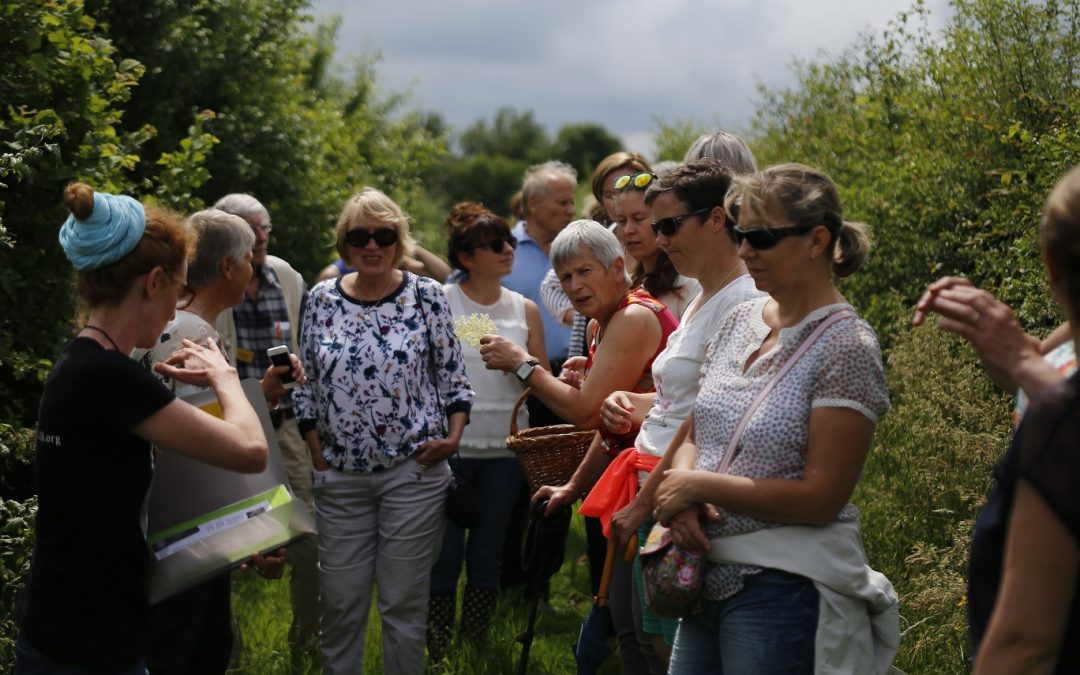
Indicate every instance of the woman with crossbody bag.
{"type": "Point", "coordinates": [799, 455]}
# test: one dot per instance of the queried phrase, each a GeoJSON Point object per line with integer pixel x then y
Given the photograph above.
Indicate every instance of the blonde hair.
{"type": "Point", "coordinates": [805, 196]}
{"type": "Point", "coordinates": [1059, 231]}
{"type": "Point", "coordinates": [372, 204]}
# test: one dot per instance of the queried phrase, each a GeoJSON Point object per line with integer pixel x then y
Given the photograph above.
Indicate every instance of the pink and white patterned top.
{"type": "Point", "coordinates": [842, 369]}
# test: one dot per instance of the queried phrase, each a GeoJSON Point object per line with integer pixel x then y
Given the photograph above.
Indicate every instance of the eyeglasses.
{"type": "Point", "coordinates": [383, 236]}
{"type": "Point", "coordinates": [267, 227]}
{"type": "Point", "coordinates": [669, 226]}
{"type": "Point", "coordinates": [640, 181]}
{"type": "Point", "coordinates": [763, 238]}
{"type": "Point", "coordinates": [497, 245]}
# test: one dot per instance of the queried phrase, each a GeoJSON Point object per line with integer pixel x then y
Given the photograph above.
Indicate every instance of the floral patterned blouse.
{"type": "Point", "coordinates": [382, 376]}
{"type": "Point", "coordinates": [843, 369]}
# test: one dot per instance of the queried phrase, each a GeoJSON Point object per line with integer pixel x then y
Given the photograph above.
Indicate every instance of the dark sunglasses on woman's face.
{"type": "Point", "coordinates": [763, 238]}
{"type": "Point", "coordinates": [383, 236]}
{"type": "Point", "coordinates": [669, 226]}
{"type": "Point", "coordinates": [498, 245]}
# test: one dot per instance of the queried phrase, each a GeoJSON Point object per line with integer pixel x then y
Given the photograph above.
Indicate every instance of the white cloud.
{"type": "Point", "coordinates": [615, 62]}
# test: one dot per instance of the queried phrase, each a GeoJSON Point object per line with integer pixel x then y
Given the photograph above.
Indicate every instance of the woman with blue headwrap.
{"type": "Point", "coordinates": [100, 412]}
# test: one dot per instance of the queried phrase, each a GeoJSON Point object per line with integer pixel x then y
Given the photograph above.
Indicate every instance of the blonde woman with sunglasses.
{"type": "Point", "coordinates": [786, 569]}
{"type": "Point", "coordinates": [385, 405]}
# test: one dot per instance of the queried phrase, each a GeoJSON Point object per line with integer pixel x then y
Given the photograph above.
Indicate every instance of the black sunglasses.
{"type": "Point", "coordinates": [383, 236]}
{"type": "Point", "coordinates": [762, 238]}
{"type": "Point", "coordinates": [669, 226]}
{"type": "Point", "coordinates": [497, 245]}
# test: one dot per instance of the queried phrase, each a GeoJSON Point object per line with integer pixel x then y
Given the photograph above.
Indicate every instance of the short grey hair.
{"type": "Point", "coordinates": [726, 148]}
{"type": "Point", "coordinates": [585, 234]}
{"type": "Point", "coordinates": [221, 235]}
{"type": "Point", "coordinates": [243, 205]}
{"type": "Point", "coordinates": [538, 177]}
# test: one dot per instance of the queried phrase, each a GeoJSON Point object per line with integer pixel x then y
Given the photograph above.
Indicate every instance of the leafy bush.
{"type": "Point", "coordinates": [946, 144]}
{"type": "Point", "coordinates": [18, 507]}
{"type": "Point", "coordinates": [925, 479]}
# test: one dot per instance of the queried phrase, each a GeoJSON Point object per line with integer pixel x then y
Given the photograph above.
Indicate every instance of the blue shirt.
{"type": "Point", "coordinates": [530, 266]}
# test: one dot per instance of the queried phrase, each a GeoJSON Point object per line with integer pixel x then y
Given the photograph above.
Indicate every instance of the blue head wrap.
{"type": "Point", "coordinates": [112, 231]}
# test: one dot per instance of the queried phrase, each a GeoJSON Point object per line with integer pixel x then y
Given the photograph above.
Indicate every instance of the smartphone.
{"type": "Point", "coordinates": [279, 356]}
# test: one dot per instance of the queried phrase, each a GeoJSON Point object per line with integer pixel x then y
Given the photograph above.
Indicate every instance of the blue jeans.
{"type": "Point", "coordinates": [496, 482]}
{"type": "Point", "coordinates": [29, 661]}
{"type": "Point", "coordinates": [767, 627]}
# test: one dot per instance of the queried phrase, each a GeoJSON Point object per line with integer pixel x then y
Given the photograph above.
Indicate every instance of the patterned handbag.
{"type": "Point", "coordinates": [674, 576]}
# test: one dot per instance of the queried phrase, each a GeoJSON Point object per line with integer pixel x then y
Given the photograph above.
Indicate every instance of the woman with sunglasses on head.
{"type": "Point", "coordinates": [787, 585]}
{"type": "Point", "coordinates": [653, 269]}
{"type": "Point", "coordinates": [101, 412]}
{"type": "Point", "coordinates": [627, 329]}
{"type": "Point", "coordinates": [481, 248]}
{"type": "Point", "coordinates": [386, 403]}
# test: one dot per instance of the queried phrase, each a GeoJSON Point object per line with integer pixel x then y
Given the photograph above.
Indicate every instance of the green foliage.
{"type": "Point", "coordinates": [62, 96]}
{"type": "Point", "coordinates": [673, 139]}
{"type": "Point", "coordinates": [926, 478]}
{"type": "Point", "coordinates": [18, 507]}
{"type": "Point", "coordinates": [582, 146]}
{"type": "Point", "coordinates": [946, 145]}
{"type": "Point", "coordinates": [510, 134]}
{"type": "Point", "coordinates": [16, 547]}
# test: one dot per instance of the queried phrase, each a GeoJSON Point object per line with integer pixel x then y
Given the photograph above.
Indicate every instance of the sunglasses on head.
{"type": "Point", "coordinates": [383, 236]}
{"type": "Point", "coordinates": [669, 226]}
{"type": "Point", "coordinates": [497, 245]}
{"type": "Point", "coordinates": [640, 181]}
{"type": "Point", "coordinates": [763, 238]}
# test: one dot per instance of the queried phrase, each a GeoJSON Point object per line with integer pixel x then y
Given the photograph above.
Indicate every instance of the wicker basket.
{"type": "Point", "coordinates": [548, 455]}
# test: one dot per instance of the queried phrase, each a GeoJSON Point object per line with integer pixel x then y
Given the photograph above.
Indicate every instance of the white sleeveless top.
{"type": "Point", "coordinates": [496, 391]}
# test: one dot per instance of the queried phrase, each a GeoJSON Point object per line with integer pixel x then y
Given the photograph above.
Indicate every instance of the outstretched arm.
{"type": "Point", "coordinates": [1012, 358]}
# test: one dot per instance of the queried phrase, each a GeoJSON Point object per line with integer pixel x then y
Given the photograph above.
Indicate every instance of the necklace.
{"type": "Point", "coordinates": [705, 298]}
{"type": "Point", "coordinates": [369, 305]}
{"type": "Point", "coordinates": [729, 274]}
{"type": "Point", "coordinates": [102, 331]}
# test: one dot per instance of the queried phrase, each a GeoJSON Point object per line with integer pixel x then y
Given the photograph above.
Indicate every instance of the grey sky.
{"type": "Point", "coordinates": [617, 63]}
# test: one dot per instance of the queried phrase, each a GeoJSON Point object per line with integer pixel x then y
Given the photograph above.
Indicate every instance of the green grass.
{"type": "Point", "coordinates": [262, 614]}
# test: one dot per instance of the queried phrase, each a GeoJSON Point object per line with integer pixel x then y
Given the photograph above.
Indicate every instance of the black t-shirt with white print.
{"type": "Point", "coordinates": [87, 601]}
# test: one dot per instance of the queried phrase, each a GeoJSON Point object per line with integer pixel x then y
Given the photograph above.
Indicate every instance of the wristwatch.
{"type": "Point", "coordinates": [525, 368]}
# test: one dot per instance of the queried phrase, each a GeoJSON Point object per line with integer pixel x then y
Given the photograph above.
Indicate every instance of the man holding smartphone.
{"type": "Point", "coordinates": [269, 317]}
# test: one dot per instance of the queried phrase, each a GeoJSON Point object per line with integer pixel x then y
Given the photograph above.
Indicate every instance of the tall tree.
{"type": "Point", "coordinates": [584, 145]}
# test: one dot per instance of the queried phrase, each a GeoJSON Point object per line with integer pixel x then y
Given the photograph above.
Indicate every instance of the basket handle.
{"type": "Point", "coordinates": [517, 407]}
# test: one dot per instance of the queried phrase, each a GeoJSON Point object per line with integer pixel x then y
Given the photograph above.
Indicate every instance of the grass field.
{"type": "Point", "coordinates": [262, 612]}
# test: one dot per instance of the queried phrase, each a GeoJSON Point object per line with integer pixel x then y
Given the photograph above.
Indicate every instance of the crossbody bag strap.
{"type": "Point", "coordinates": [733, 445]}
